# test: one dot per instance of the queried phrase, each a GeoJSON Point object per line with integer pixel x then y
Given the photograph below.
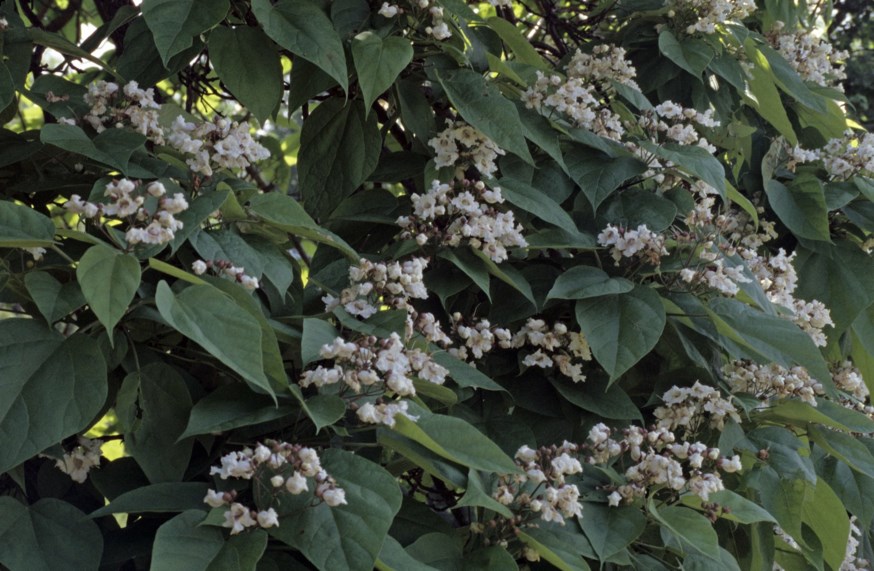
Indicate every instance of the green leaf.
{"type": "Point", "coordinates": [316, 333]}
{"type": "Point", "coordinates": [518, 44]}
{"type": "Point", "coordinates": [472, 266]}
{"type": "Point", "coordinates": [598, 174]}
{"type": "Point", "coordinates": [537, 203]}
{"type": "Point", "coordinates": [325, 410]}
{"type": "Point", "coordinates": [773, 338]}
{"type": "Point", "coordinates": [762, 94]}
{"type": "Point", "coordinates": [463, 374]}
{"type": "Point", "coordinates": [50, 535]}
{"type": "Point", "coordinates": [691, 54]}
{"type": "Point", "coordinates": [378, 62]}
{"type": "Point", "coordinates": [164, 497]}
{"type": "Point", "coordinates": [556, 238]}
{"type": "Point", "coordinates": [241, 552]}
{"type": "Point", "coordinates": [691, 528]}
{"type": "Point", "coordinates": [302, 28]}
{"type": "Point", "coordinates": [211, 319]}
{"type": "Point", "coordinates": [163, 404]}
{"type": "Point", "coordinates": [112, 147]}
{"type": "Point", "coordinates": [595, 396]}
{"type": "Point", "coordinates": [183, 545]}
{"type": "Point", "coordinates": [349, 536]}
{"type": "Point", "coordinates": [853, 488]}
{"type": "Point", "coordinates": [787, 454]}
{"type": "Point", "coordinates": [229, 246]}
{"type": "Point", "coordinates": [826, 515]}
{"type": "Point", "coordinates": [61, 44]}
{"type": "Point", "coordinates": [283, 212]}
{"type": "Point", "coordinates": [247, 63]}
{"type": "Point", "coordinates": [392, 557]}
{"type": "Point", "coordinates": [509, 275]}
{"type": "Point", "coordinates": [693, 160]}
{"type": "Point", "coordinates": [53, 299]}
{"type": "Point", "coordinates": [561, 548]}
{"type": "Point", "coordinates": [109, 280]}
{"type": "Point", "coordinates": [477, 495]}
{"type": "Point", "coordinates": [480, 103]}
{"type": "Point", "coordinates": [456, 440]}
{"type": "Point", "coordinates": [24, 227]}
{"type": "Point", "coordinates": [439, 550]}
{"type": "Point", "coordinates": [633, 207]}
{"type": "Point", "coordinates": [623, 328]}
{"type": "Point", "coordinates": [611, 529]}
{"type": "Point", "coordinates": [742, 510]}
{"type": "Point", "coordinates": [339, 148]}
{"type": "Point", "coordinates": [801, 207]}
{"type": "Point", "coordinates": [232, 406]}
{"type": "Point", "coordinates": [430, 462]}
{"type": "Point", "coordinates": [175, 23]}
{"type": "Point", "coordinates": [844, 447]}
{"type": "Point", "coordinates": [494, 557]}
{"type": "Point", "coordinates": [583, 282]}
{"type": "Point", "coordinates": [52, 387]}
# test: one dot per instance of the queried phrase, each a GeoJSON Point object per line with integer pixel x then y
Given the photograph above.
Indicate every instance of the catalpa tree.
{"type": "Point", "coordinates": [428, 284]}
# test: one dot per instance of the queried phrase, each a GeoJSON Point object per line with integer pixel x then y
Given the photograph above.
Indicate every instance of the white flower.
{"type": "Point", "coordinates": [388, 10]}
{"type": "Point", "coordinates": [268, 518]}
{"type": "Point", "coordinates": [614, 499]}
{"type": "Point", "coordinates": [199, 267]}
{"type": "Point", "coordinates": [296, 484]}
{"type": "Point", "coordinates": [334, 497]}
{"type": "Point", "coordinates": [214, 499]}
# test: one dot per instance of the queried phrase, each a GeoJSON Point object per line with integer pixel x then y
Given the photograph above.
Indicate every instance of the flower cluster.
{"type": "Point", "coordinates": [580, 97]}
{"type": "Point", "coordinates": [843, 158]}
{"type": "Point", "coordinates": [848, 379]}
{"type": "Point", "coordinates": [147, 209]}
{"type": "Point", "coordinates": [771, 381]}
{"type": "Point", "coordinates": [292, 465]}
{"type": "Point", "coordinates": [374, 284]}
{"type": "Point", "coordinates": [691, 407]}
{"type": "Point", "coordinates": [541, 488]}
{"type": "Point", "coordinates": [370, 361]}
{"type": "Point", "coordinates": [659, 460]}
{"type": "Point", "coordinates": [219, 143]}
{"type": "Point", "coordinates": [461, 146]}
{"type": "Point", "coordinates": [226, 269]}
{"type": "Point", "coordinates": [851, 562]}
{"type": "Point", "coordinates": [811, 55]}
{"type": "Point", "coordinates": [77, 462]}
{"type": "Point", "coordinates": [463, 213]}
{"type": "Point", "coordinates": [438, 29]}
{"type": "Point", "coordinates": [556, 346]}
{"type": "Point", "coordinates": [114, 106]}
{"type": "Point", "coordinates": [702, 16]}
{"type": "Point", "coordinates": [676, 124]}
{"type": "Point", "coordinates": [479, 338]}
{"type": "Point", "coordinates": [641, 243]}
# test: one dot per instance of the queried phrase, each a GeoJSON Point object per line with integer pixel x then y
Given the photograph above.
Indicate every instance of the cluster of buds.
{"type": "Point", "coordinates": [641, 243]}
{"type": "Point", "coordinates": [463, 213]}
{"type": "Point", "coordinates": [227, 270]}
{"type": "Point", "coordinates": [691, 407]}
{"type": "Point", "coordinates": [147, 209]}
{"type": "Point", "coordinates": [659, 460]}
{"type": "Point", "coordinates": [293, 467]}
{"type": "Point", "coordinates": [77, 462]}
{"type": "Point", "coordinates": [771, 381]}
{"type": "Point", "coordinates": [542, 489]}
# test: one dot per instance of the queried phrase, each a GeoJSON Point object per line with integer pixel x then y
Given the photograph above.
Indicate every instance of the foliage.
{"type": "Point", "coordinates": [347, 284]}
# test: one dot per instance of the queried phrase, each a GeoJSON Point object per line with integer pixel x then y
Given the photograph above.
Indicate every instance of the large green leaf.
{"type": "Point", "coordinates": [109, 280]}
{"type": "Point", "coordinates": [302, 28]}
{"type": "Point", "coordinates": [480, 103]}
{"type": "Point", "coordinates": [563, 549]}
{"type": "Point", "coordinates": [801, 206]}
{"type": "Point", "coordinates": [248, 64]}
{"type": "Point", "coordinates": [691, 54]}
{"type": "Point", "coordinates": [762, 94]}
{"type": "Point", "coordinates": [339, 150]}
{"type": "Point", "coordinates": [228, 245]}
{"type": "Point", "coordinates": [845, 448]}
{"type": "Point", "coordinates": [621, 328]}
{"type": "Point", "coordinates": [241, 552]}
{"type": "Point", "coordinates": [463, 374]}
{"type": "Point", "coordinates": [595, 396]}
{"type": "Point", "coordinates": [50, 535]}
{"type": "Point", "coordinates": [175, 23]}
{"type": "Point", "coordinates": [164, 497]}
{"type": "Point", "coordinates": [537, 203]}
{"type": "Point", "coordinates": [740, 509]}
{"type": "Point", "coordinates": [163, 404]}
{"type": "Point", "coordinates": [284, 212]}
{"type": "Point", "coordinates": [689, 527]}
{"type": "Point", "coordinates": [826, 515]}
{"type": "Point", "coordinates": [477, 495]}
{"type": "Point", "coordinates": [24, 227]}
{"type": "Point", "coordinates": [52, 387]}
{"type": "Point", "coordinates": [212, 320]}
{"type": "Point", "coordinates": [350, 536]}
{"type": "Point", "coordinates": [456, 440]}
{"type": "Point", "coordinates": [392, 557]}
{"type": "Point", "coordinates": [854, 489]}
{"type": "Point", "coordinates": [316, 334]}
{"type": "Point", "coordinates": [611, 529]}
{"type": "Point", "coordinates": [112, 147]}
{"type": "Point", "coordinates": [230, 407]}
{"type": "Point", "coordinates": [599, 174]}
{"type": "Point", "coordinates": [53, 299]}
{"type": "Point", "coordinates": [183, 545]}
{"type": "Point", "coordinates": [583, 282]}
{"type": "Point", "coordinates": [378, 62]}
{"type": "Point", "coordinates": [438, 550]}
{"type": "Point", "coordinates": [693, 160]}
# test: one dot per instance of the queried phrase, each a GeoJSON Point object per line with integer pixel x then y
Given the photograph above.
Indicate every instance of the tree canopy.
{"type": "Point", "coordinates": [434, 284]}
